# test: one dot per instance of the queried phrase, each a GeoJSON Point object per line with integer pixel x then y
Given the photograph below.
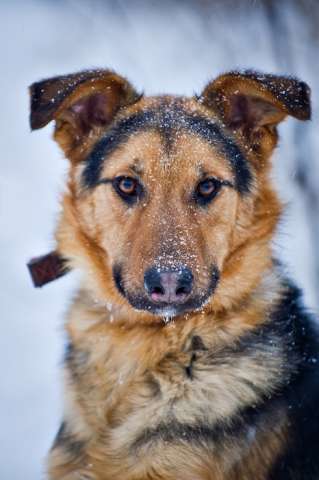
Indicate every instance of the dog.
{"type": "Point", "coordinates": [190, 354]}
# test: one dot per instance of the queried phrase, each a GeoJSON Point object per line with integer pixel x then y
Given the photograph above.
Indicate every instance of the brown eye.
{"type": "Point", "coordinates": [128, 188]}
{"type": "Point", "coordinates": [127, 185]}
{"type": "Point", "coordinates": [206, 187]}
{"type": "Point", "coordinates": [207, 190]}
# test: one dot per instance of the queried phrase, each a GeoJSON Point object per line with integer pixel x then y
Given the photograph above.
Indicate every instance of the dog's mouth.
{"type": "Point", "coordinates": [142, 300]}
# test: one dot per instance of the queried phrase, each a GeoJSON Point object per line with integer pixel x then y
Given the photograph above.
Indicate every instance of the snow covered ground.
{"type": "Point", "coordinates": [160, 47]}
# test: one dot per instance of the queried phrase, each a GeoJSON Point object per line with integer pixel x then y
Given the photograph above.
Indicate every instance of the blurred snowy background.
{"type": "Point", "coordinates": [161, 46]}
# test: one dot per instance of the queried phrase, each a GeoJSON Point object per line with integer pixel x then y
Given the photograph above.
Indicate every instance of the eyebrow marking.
{"type": "Point", "coordinates": [136, 168]}
{"type": "Point", "coordinates": [204, 175]}
{"type": "Point", "coordinates": [116, 136]}
{"type": "Point", "coordinates": [167, 119]}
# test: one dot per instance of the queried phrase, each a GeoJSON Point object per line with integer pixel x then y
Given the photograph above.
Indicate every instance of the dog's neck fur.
{"type": "Point", "coordinates": [105, 328]}
{"type": "Point", "coordinates": [156, 364]}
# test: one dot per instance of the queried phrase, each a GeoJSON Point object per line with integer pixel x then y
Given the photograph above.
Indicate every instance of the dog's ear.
{"type": "Point", "coordinates": [249, 101]}
{"type": "Point", "coordinates": [79, 103]}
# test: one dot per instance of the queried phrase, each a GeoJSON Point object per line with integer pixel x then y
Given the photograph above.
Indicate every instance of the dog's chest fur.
{"type": "Point", "coordinates": [176, 387]}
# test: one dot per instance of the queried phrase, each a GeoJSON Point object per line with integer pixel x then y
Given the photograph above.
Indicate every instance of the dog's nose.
{"type": "Point", "coordinates": [168, 286]}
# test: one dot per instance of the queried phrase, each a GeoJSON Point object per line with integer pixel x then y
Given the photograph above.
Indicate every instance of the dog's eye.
{"type": "Point", "coordinates": [127, 185]}
{"type": "Point", "coordinates": [207, 190]}
{"type": "Point", "coordinates": [128, 188]}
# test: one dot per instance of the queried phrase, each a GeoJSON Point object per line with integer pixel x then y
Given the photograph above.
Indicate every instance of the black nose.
{"type": "Point", "coordinates": [168, 286]}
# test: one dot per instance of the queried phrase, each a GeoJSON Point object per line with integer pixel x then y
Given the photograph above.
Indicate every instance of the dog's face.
{"type": "Point", "coordinates": [169, 207]}
{"type": "Point", "coordinates": [164, 207]}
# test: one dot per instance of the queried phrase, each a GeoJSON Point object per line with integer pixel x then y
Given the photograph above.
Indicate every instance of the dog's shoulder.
{"type": "Point", "coordinates": [300, 459]}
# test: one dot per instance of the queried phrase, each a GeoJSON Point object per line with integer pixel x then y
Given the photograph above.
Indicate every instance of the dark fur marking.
{"type": "Point", "coordinates": [76, 360]}
{"type": "Point", "coordinates": [301, 396]}
{"type": "Point", "coordinates": [189, 368]}
{"type": "Point", "coordinates": [117, 276]}
{"type": "Point", "coordinates": [43, 105]}
{"type": "Point", "coordinates": [113, 139]}
{"type": "Point", "coordinates": [153, 384]}
{"type": "Point", "coordinates": [67, 442]}
{"type": "Point", "coordinates": [47, 96]}
{"type": "Point", "coordinates": [59, 435]}
{"type": "Point", "coordinates": [197, 343]}
{"type": "Point", "coordinates": [167, 119]}
{"type": "Point", "coordinates": [291, 92]}
{"type": "Point", "coordinates": [175, 431]}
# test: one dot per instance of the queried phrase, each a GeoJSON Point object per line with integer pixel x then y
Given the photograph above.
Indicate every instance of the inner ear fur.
{"type": "Point", "coordinates": [79, 102]}
{"type": "Point", "coordinates": [250, 100]}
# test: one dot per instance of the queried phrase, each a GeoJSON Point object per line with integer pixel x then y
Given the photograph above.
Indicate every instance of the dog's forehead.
{"type": "Point", "coordinates": [160, 127]}
{"type": "Point", "coordinates": [151, 155]}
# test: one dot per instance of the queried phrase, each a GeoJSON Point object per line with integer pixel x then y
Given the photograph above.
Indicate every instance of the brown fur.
{"type": "Point", "coordinates": [126, 370]}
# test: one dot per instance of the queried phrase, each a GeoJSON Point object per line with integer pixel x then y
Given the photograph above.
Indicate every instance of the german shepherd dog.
{"type": "Point", "coordinates": [190, 355]}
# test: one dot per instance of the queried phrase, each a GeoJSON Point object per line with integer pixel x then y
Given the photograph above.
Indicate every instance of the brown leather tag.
{"type": "Point", "coordinates": [47, 268]}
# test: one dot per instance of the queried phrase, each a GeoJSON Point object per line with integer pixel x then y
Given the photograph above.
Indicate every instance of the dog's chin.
{"type": "Point", "coordinates": [168, 311]}
{"type": "Point", "coordinates": [161, 310]}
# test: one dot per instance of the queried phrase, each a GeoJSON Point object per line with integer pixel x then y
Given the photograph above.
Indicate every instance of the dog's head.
{"type": "Point", "coordinates": [169, 208]}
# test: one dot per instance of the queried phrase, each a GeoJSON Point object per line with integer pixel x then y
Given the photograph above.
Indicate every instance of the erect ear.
{"type": "Point", "coordinates": [249, 100]}
{"type": "Point", "coordinates": [79, 103]}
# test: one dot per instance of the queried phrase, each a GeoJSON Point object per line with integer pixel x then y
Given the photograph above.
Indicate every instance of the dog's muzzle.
{"type": "Point", "coordinates": [167, 292]}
